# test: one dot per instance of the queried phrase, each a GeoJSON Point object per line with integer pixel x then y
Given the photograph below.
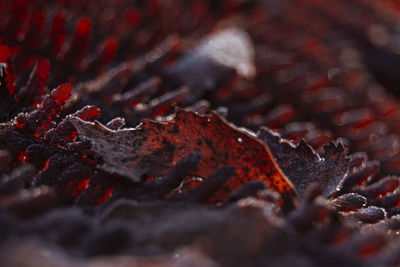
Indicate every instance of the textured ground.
{"type": "Point", "coordinates": [199, 133]}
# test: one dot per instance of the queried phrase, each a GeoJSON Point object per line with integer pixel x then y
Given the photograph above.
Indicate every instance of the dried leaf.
{"type": "Point", "coordinates": [304, 167]}
{"type": "Point", "coordinates": [154, 147]}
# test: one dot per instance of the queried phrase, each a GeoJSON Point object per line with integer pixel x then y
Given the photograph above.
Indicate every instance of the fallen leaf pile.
{"type": "Point", "coordinates": [199, 133]}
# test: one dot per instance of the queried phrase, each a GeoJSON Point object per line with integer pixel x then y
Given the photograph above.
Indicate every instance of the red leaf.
{"type": "Point", "coordinates": [154, 147]}
{"type": "Point", "coordinates": [36, 24]}
{"type": "Point", "coordinates": [80, 43]}
{"type": "Point", "coordinates": [39, 121]}
{"type": "Point", "coordinates": [57, 34]}
{"type": "Point", "coordinates": [4, 53]}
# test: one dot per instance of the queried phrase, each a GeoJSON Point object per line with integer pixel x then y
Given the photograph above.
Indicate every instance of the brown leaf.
{"type": "Point", "coordinates": [153, 148]}
{"type": "Point", "coordinates": [304, 167]}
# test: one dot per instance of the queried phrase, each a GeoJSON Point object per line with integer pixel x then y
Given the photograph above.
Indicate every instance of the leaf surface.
{"type": "Point", "coordinates": [154, 147]}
